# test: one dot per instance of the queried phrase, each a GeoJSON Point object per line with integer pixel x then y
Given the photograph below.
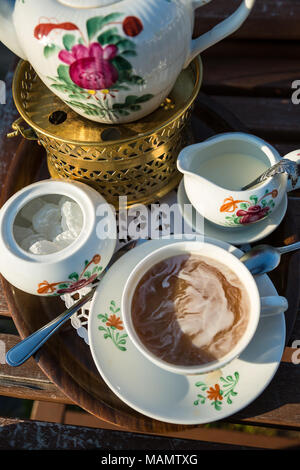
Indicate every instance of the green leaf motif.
{"type": "Point", "coordinates": [217, 405]}
{"type": "Point", "coordinates": [254, 199]}
{"type": "Point", "coordinates": [103, 318]}
{"type": "Point", "coordinates": [110, 36]}
{"type": "Point", "coordinates": [121, 64]}
{"type": "Point", "coordinates": [51, 50]}
{"type": "Point", "coordinates": [63, 74]}
{"type": "Point", "coordinates": [113, 332]}
{"type": "Point", "coordinates": [69, 41]}
{"type": "Point", "coordinates": [126, 45]}
{"type": "Point", "coordinates": [224, 393]}
{"type": "Point", "coordinates": [74, 276]}
{"type": "Point", "coordinates": [94, 25]}
{"type": "Point", "coordinates": [132, 103]}
{"type": "Point", "coordinates": [202, 386]}
{"type": "Point", "coordinates": [63, 286]}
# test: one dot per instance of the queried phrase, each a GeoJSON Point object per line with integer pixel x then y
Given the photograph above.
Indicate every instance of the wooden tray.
{"type": "Point", "coordinates": [65, 358]}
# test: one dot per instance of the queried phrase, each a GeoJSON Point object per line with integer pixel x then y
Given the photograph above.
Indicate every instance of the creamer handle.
{"type": "Point", "coordinates": [295, 157]}
{"type": "Point", "coordinates": [222, 30]}
{"type": "Point", "coordinates": [8, 33]}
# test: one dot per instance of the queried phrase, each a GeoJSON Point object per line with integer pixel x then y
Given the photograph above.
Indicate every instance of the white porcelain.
{"type": "Point", "coordinates": [73, 267]}
{"type": "Point", "coordinates": [111, 61]}
{"type": "Point", "coordinates": [258, 306]}
{"type": "Point", "coordinates": [251, 233]}
{"type": "Point", "coordinates": [169, 397]}
{"type": "Point", "coordinates": [226, 207]}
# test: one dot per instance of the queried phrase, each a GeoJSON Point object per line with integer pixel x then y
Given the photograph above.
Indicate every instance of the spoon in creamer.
{"type": "Point", "coordinates": [264, 258]}
{"type": "Point", "coordinates": [283, 166]}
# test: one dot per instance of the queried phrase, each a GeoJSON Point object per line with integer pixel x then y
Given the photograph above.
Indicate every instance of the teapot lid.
{"type": "Point", "coordinates": [88, 3]}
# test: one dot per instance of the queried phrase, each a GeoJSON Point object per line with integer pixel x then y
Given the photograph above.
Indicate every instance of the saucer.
{"type": "Point", "coordinates": [166, 396]}
{"type": "Point", "coordinates": [238, 236]}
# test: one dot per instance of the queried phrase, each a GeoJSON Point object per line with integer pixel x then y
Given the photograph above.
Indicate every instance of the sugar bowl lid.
{"type": "Point", "coordinates": [88, 3]}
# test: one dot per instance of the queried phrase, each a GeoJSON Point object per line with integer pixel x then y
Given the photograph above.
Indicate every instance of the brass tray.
{"type": "Point", "coordinates": [65, 358]}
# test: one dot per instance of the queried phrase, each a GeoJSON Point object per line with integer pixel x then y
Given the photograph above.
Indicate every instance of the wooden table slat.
{"type": "Point", "coordinates": [27, 381]}
{"type": "Point", "coordinates": [266, 117]}
{"type": "Point", "coordinates": [269, 19]}
{"type": "Point", "coordinates": [279, 405]}
{"type": "Point", "coordinates": [251, 68]}
{"type": "Point", "coordinates": [34, 435]}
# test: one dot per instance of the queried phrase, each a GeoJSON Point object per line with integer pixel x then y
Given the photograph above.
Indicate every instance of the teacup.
{"type": "Point", "coordinates": [258, 306]}
{"type": "Point", "coordinates": [230, 207]}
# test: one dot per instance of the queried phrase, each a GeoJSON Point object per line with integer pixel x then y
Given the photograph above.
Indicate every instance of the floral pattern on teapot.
{"type": "Point", "coordinates": [248, 212]}
{"type": "Point", "coordinates": [95, 63]}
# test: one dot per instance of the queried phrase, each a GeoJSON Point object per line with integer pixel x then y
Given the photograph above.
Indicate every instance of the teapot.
{"type": "Point", "coordinates": [111, 61]}
{"type": "Point", "coordinates": [228, 206]}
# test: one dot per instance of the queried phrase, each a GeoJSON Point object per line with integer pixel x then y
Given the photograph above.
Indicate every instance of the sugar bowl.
{"type": "Point", "coordinates": [55, 237]}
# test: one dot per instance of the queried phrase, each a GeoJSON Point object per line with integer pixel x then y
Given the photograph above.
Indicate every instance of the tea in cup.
{"type": "Point", "coordinates": [192, 307]}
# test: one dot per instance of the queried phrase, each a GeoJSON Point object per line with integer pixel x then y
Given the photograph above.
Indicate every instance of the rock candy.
{"type": "Point", "coordinates": [47, 220]}
{"type": "Point", "coordinates": [29, 241]}
{"type": "Point", "coordinates": [32, 208]}
{"type": "Point", "coordinates": [48, 224]}
{"type": "Point", "coordinates": [72, 218]}
{"type": "Point", "coordinates": [63, 240]}
{"type": "Point", "coordinates": [64, 199]}
{"type": "Point", "coordinates": [43, 247]}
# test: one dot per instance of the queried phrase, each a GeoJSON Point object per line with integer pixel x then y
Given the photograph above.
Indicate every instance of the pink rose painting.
{"type": "Point", "coordinates": [94, 64]}
{"type": "Point", "coordinates": [253, 214]}
{"type": "Point", "coordinates": [91, 67]}
{"type": "Point", "coordinates": [247, 212]}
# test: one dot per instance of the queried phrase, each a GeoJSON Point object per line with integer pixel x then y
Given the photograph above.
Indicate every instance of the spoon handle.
{"type": "Point", "coordinates": [289, 248]}
{"type": "Point", "coordinates": [26, 348]}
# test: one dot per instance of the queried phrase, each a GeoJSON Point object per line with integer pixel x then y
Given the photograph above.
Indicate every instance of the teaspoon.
{"type": "Point", "coordinates": [264, 258]}
{"type": "Point", "coordinates": [22, 351]}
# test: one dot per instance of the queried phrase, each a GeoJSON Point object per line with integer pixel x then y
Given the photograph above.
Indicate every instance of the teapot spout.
{"type": "Point", "coordinates": [8, 33]}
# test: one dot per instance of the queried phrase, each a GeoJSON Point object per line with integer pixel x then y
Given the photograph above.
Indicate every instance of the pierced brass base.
{"type": "Point", "coordinates": [137, 160]}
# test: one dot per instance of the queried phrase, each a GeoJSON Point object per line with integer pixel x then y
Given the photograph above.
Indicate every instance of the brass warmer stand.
{"type": "Point", "coordinates": [137, 160]}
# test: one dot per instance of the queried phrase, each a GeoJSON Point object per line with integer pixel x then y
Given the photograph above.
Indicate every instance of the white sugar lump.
{"type": "Point", "coordinates": [72, 218]}
{"type": "Point", "coordinates": [32, 208]}
{"type": "Point", "coordinates": [45, 219]}
{"type": "Point", "coordinates": [54, 231]}
{"type": "Point", "coordinates": [48, 224]}
{"type": "Point", "coordinates": [20, 233]}
{"type": "Point", "coordinates": [62, 200]}
{"type": "Point", "coordinates": [29, 241]}
{"type": "Point", "coordinates": [63, 240]}
{"type": "Point", "coordinates": [43, 247]}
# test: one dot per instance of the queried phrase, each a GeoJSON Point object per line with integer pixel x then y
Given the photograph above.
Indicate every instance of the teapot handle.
{"type": "Point", "coordinates": [221, 31]}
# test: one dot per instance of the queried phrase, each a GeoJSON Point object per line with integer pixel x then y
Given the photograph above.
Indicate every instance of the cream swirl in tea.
{"type": "Point", "coordinates": [190, 309]}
